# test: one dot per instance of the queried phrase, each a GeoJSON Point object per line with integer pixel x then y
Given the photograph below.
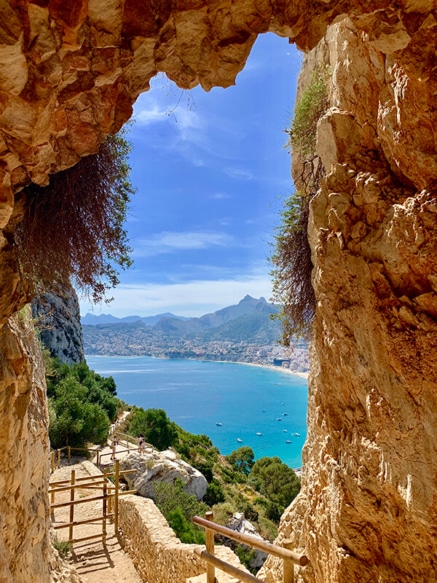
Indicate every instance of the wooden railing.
{"type": "Point", "coordinates": [289, 558]}
{"type": "Point", "coordinates": [110, 492]}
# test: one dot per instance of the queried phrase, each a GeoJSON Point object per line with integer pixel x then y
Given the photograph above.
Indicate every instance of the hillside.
{"type": "Point", "coordinates": [243, 332]}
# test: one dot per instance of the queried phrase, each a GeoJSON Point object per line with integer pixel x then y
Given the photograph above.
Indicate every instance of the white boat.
{"type": "Point", "coordinates": [288, 441]}
{"type": "Point", "coordinates": [258, 433]}
{"type": "Point", "coordinates": [285, 430]}
{"type": "Point", "coordinates": [279, 419]}
{"type": "Point", "coordinates": [239, 440]}
{"type": "Point", "coordinates": [219, 424]}
{"type": "Point", "coordinates": [296, 434]}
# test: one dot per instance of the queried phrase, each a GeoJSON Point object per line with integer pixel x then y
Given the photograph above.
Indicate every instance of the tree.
{"type": "Point", "coordinates": [275, 480]}
{"type": "Point", "coordinates": [242, 459]}
{"type": "Point", "coordinates": [155, 426]}
{"type": "Point", "coordinates": [73, 227]}
{"type": "Point", "coordinates": [74, 420]}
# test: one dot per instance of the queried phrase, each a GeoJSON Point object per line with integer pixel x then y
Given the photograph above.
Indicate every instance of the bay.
{"type": "Point", "coordinates": [226, 401]}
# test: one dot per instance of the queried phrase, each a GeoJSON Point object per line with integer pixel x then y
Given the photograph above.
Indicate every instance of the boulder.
{"type": "Point", "coordinates": [154, 466]}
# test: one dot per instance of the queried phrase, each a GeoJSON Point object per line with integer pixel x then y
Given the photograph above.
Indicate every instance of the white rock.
{"type": "Point", "coordinates": [161, 466]}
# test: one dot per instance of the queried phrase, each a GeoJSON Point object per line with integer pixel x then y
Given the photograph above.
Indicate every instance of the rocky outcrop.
{"type": "Point", "coordinates": [57, 319]}
{"type": "Point", "coordinates": [153, 466]}
{"type": "Point", "coordinates": [368, 503]}
{"type": "Point", "coordinates": [69, 73]}
{"type": "Point", "coordinates": [24, 469]}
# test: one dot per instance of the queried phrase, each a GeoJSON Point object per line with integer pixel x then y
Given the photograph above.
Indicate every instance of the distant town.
{"type": "Point", "coordinates": [242, 333]}
{"type": "Point", "coordinates": [272, 354]}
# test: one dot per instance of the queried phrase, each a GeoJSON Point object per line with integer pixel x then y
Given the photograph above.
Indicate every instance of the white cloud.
{"type": "Point", "coordinates": [169, 241]}
{"type": "Point", "coordinates": [219, 196]}
{"type": "Point", "coordinates": [194, 298]}
{"type": "Point", "coordinates": [239, 173]}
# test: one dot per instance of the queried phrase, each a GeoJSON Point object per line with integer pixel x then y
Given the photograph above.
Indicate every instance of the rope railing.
{"type": "Point", "coordinates": [289, 558]}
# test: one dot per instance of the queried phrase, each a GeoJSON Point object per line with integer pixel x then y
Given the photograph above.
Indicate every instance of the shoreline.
{"type": "Point", "coordinates": [303, 375]}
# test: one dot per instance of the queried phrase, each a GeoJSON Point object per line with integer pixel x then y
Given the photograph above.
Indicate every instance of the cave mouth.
{"type": "Point", "coordinates": [202, 231]}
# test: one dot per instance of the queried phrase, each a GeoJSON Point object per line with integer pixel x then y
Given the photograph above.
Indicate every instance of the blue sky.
{"type": "Point", "coordinates": [211, 173]}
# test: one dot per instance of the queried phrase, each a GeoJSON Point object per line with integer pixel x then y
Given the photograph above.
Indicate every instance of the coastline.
{"type": "Point", "coordinates": [303, 375]}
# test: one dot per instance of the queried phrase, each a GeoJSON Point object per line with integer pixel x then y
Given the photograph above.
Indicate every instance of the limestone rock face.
{"type": "Point", "coordinates": [155, 466]}
{"type": "Point", "coordinates": [69, 74]}
{"type": "Point", "coordinates": [368, 504]}
{"type": "Point", "coordinates": [24, 469]}
{"type": "Point", "coordinates": [57, 317]}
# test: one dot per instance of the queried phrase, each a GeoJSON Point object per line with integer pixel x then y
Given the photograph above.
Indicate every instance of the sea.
{"type": "Point", "coordinates": [233, 404]}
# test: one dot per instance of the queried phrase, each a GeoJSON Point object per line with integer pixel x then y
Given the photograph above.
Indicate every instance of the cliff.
{"type": "Point", "coordinates": [69, 73]}
{"type": "Point", "coordinates": [57, 320]}
{"type": "Point", "coordinates": [368, 504]}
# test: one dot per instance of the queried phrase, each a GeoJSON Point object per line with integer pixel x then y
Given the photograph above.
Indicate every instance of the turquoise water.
{"type": "Point", "coordinates": [198, 395]}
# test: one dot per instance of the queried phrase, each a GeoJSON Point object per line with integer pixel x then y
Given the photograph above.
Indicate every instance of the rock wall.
{"type": "Point", "coordinates": [24, 469]}
{"type": "Point", "coordinates": [57, 319]}
{"type": "Point", "coordinates": [157, 554]}
{"type": "Point", "coordinates": [368, 507]}
{"type": "Point", "coordinates": [69, 73]}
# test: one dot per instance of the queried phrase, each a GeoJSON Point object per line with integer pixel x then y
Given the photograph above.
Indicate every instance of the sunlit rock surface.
{"type": "Point", "coordinates": [69, 74]}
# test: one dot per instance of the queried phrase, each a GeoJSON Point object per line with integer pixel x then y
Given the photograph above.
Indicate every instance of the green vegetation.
{"type": "Point", "coordinates": [178, 507]}
{"type": "Point", "coordinates": [82, 404]}
{"type": "Point", "coordinates": [309, 109]}
{"type": "Point", "coordinates": [63, 547]}
{"type": "Point", "coordinates": [236, 482]}
{"type": "Point", "coordinates": [73, 228]}
{"type": "Point", "coordinates": [242, 459]}
{"type": "Point", "coordinates": [291, 258]}
{"type": "Point", "coordinates": [156, 427]}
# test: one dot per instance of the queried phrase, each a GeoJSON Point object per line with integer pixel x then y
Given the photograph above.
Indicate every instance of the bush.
{"type": "Point", "coordinates": [242, 459]}
{"type": "Point", "coordinates": [214, 493]}
{"type": "Point", "coordinates": [276, 481]}
{"type": "Point", "coordinates": [291, 259]}
{"type": "Point", "coordinates": [156, 427]}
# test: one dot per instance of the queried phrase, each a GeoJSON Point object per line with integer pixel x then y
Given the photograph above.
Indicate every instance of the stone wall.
{"type": "Point", "coordinates": [157, 554]}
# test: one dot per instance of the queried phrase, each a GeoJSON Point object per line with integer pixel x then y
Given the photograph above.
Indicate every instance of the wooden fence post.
{"type": "Point", "coordinates": [209, 540]}
{"type": "Point", "coordinates": [53, 461]}
{"type": "Point", "coordinates": [73, 481]}
{"type": "Point", "coordinates": [105, 504]}
{"type": "Point", "coordinates": [117, 485]}
{"type": "Point", "coordinates": [287, 565]}
{"type": "Point", "coordinates": [69, 453]}
{"type": "Point", "coordinates": [59, 458]}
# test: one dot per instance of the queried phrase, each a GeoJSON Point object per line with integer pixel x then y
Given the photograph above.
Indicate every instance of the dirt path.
{"type": "Point", "coordinates": [95, 561]}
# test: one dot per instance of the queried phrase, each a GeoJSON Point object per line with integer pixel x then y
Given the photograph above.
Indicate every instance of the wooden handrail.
{"type": "Point", "coordinates": [227, 567]}
{"type": "Point", "coordinates": [252, 541]}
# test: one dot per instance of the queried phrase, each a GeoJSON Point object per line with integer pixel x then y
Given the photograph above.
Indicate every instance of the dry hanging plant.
{"type": "Point", "coordinates": [74, 227]}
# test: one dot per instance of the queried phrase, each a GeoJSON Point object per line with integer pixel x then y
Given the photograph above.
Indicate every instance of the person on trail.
{"type": "Point", "coordinates": [114, 447]}
{"type": "Point", "coordinates": [141, 443]}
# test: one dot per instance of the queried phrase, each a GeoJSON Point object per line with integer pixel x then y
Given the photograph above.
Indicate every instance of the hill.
{"type": "Point", "coordinates": [243, 332]}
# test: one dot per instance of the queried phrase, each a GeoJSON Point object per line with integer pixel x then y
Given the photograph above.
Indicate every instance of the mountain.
{"type": "Point", "coordinates": [93, 320]}
{"type": "Point", "coordinates": [248, 322]}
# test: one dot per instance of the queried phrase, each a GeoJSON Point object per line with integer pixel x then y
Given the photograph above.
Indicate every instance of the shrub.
{"type": "Point", "coordinates": [291, 259]}
{"type": "Point", "coordinates": [63, 547]}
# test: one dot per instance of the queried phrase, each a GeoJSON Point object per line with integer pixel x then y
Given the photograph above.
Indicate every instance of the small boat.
{"type": "Point", "coordinates": [285, 430]}
{"type": "Point", "coordinates": [258, 433]}
{"type": "Point", "coordinates": [219, 424]}
{"type": "Point", "coordinates": [279, 419]}
{"type": "Point", "coordinates": [296, 434]}
{"type": "Point", "coordinates": [285, 414]}
{"type": "Point", "coordinates": [288, 441]}
{"type": "Point", "coordinates": [239, 440]}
